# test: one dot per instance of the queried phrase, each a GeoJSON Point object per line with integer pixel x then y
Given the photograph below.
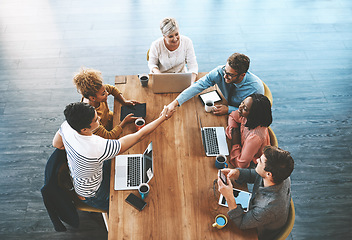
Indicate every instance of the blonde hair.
{"type": "Point", "coordinates": [168, 25]}
{"type": "Point", "coordinates": [88, 82]}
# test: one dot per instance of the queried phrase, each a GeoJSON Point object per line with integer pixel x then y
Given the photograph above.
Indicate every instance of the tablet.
{"type": "Point", "coordinates": [212, 95]}
{"type": "Point", "coordinates": [241, 197]}
{"type": "Point", "coordinates": [139, 110]}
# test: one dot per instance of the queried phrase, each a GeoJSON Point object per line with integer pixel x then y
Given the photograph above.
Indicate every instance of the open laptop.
{"type": "Point", "coordinates": [133, 169]}
{"type": "Point", "coordinates": [171, 82]}
{"type": "Point", "coordinates": [214, 140]}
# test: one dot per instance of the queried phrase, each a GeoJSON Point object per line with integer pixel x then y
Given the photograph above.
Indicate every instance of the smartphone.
{"type": "Point", "coordinates": [135, 201]}
{"type": "Point", "coordinates": [222, 177]}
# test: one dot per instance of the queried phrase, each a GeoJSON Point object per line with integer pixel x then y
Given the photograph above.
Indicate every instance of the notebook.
{"type": "Point", "coordinates": [241, 197]}
{"type": "Point", "coordinates": [139, 110]}
{"type": "Point", "coordinates": [214, 140]}
{"type": "Point", "coordinates": [171, 82]}
{"type": "Point", "coordinates": [133, 169]}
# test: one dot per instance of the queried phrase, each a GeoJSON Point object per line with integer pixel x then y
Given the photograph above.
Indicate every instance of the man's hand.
{"type": "Point", "coordinates": [227, 192]}
{"type": "Point", "coordinates": [221, 110]}
{"type": "Point", "coordinates": [171, 108]}
{"type": "Point", "coordinates": [165, 111]}
{"type": "Point", "coordinates": [231, 173]}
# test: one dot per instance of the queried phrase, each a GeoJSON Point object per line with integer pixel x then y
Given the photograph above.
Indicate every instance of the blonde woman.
{"type": "Point", "coordinates": [89, 83]}
{"type": "Point", "coordinates": [172, 53]}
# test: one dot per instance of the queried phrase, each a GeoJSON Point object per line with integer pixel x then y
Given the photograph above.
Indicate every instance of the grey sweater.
{"type": "Point", "coordinates": [268, 207]}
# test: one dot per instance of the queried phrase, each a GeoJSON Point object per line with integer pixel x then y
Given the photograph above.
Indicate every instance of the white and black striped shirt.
{"type": "Point", "coordinates": [86, 155]}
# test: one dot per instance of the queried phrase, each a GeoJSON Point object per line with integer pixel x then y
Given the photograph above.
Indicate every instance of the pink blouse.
{"type": "Point", "coordinates": [252, 141]}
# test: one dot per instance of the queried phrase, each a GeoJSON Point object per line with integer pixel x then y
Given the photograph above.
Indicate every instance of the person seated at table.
{"type": "Point", "coordinates": [89, 83]}
{"type": "Point", "coordinates": [271, 195]}
{"type": "Point", "coordinates": [172, 52]}
{"type": "Point", "coordinates": [89, 155]}
{"type": "Point", "coordinates": [234, 81]}
{"type": "Point", "coordinates": [248, 130]}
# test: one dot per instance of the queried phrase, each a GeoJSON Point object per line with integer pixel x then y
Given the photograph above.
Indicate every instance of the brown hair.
{"type": "Point", "coordinates": [239, 62]}
{"type": "Point", "coordinates": [88, 82]}
{"type": "Point", "coordinates": [279, 163]}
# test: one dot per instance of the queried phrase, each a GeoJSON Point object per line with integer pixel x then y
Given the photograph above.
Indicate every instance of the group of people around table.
{"type": "Point", "coordinates": [90, 140]}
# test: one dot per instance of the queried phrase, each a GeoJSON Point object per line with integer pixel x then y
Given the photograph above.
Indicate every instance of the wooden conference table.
{"type": "Point", "coordinates": [182, 203]}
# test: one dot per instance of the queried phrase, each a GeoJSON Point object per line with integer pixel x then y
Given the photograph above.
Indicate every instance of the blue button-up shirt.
{"type": "Point", "coordinates": [249, 85]}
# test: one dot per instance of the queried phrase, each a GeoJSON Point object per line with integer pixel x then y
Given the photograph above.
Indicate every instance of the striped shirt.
{"type": "Point", "coordinates": [86, 155]}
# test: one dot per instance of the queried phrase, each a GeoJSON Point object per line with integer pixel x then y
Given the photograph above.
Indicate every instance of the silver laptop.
{"type": "Point", "coordinates": [133, 169]}
{"type": "Point", "coordinates": [214, 140]}
{"type": "Point", "coordinates": [171, 82]}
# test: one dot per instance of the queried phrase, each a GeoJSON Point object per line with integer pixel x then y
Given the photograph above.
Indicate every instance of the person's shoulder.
{"type": "Point", "coordinates": [185, 38]}
{"type": "Point", "coordinates": [157, 42]}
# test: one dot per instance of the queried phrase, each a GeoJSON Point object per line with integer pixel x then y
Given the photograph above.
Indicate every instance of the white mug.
{"type": "Point", "coordinates": [209, 105]}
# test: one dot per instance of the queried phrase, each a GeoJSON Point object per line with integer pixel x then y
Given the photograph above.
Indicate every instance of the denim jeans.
{"type": "Point", "coordinates": [101, 198]}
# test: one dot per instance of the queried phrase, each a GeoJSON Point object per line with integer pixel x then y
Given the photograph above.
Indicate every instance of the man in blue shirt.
{"type": "Point", "coordinates": [234, 81]}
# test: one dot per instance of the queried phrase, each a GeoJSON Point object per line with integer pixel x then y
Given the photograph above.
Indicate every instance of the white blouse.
{"type": "Point", "coordinates": [173, 61]}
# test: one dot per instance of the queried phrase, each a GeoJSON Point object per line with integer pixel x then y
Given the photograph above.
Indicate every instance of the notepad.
{"type": "Point", "coordinates": [139, 110]}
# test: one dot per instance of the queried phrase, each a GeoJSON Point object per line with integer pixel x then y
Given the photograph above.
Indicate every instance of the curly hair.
{"type": "Point", "coordinates": [88, 82]}
{"type": "Point", "coordinates": [260, 112]}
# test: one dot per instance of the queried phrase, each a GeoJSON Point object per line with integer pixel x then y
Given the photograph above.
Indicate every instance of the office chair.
{"type": "Point", "coordinates": [273, 139]}
{"type": "Point", "coordinates": [267, 93]}
{"type": "Point", "coordinates": [285, 232]}
{"type": "Point", "coordinates": [65, 182]}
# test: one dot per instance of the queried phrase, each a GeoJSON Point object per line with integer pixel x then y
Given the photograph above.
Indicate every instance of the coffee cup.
{"type": "Point", "coordinates": [140, 122]}
{"type": "Point", "coordinates": [220, 221]}
{"type": "Point", "coordinates": [220, 161]}
{"type": "Point", "coordinates": [209, 105]}
{"type": "Point", "coordinates": [143, 190]}
{"type": "Point", "coordinates": [144, 78]}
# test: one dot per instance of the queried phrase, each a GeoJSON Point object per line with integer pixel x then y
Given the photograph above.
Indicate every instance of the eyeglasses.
{"type": "Point", "coordinates": [230, 75]}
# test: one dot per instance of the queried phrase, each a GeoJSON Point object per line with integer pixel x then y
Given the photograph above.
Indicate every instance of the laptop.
{"type": "Point", "coordinates": [171, 82]}
{"type": "Point", "coordinates": [133, 169]}
{"type": "Point", "coordinates": [214, 140]}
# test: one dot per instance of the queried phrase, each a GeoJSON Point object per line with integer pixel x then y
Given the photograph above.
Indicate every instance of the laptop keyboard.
{"type": "Point", "coordinates": [211, 141]}
{"type": "Point", "coordinates": [133, 171]}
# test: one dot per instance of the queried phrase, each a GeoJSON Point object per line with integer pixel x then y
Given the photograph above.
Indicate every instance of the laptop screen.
{"type": "Point", "coordinates": [148, 163]}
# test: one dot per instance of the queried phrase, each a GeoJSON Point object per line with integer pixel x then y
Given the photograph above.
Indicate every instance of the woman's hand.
{"type": "Point", "coordinates": [128, 119]}
{"type": "Point", "coordinates": [130, 102]}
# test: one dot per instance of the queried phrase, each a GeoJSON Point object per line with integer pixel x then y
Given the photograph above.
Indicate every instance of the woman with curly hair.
{"type": "Point", "coordinates": [89, 83]}
{"type": "Point", "coordinates": [248, 130]}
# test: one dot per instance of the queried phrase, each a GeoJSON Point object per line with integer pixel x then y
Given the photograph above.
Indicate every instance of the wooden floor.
{"type": "Point", "coordinates": [301, 49]}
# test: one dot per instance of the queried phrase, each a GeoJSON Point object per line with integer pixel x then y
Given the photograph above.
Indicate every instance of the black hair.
{"type": "Point", "coordinates": [279, 163]}
{"type": "Point", "coordinates": [260, 112]}
{"type": "Point", "coordinates": [79, 115]}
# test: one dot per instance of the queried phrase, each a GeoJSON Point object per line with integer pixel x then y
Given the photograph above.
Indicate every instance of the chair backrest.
{"type": "Point", "coordinates": [65, 182]}
{"type": "Point", "coordinates": [148, 55]}
{"type": "Point", "coordinates": [267, 93]}
{"type": "Point", "coordinates": [285, 232]}
{"type": "Point", "coordinates": [273, 139]}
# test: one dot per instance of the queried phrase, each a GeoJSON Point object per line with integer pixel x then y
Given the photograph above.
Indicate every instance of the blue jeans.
{"type": "Point", "coordinates": [101, 198]}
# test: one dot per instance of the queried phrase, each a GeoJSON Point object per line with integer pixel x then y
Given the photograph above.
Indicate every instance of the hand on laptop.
{"type": "Point", "coordinates": [221, 110]}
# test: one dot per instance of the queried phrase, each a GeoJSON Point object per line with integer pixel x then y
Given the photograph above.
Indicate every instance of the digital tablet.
{"type": "Point", "coordinates": [139, 110]}
{"type": "Point", "coordinates": [241, 197]}
{"type": "Point", "coordinates": [212, 95]}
